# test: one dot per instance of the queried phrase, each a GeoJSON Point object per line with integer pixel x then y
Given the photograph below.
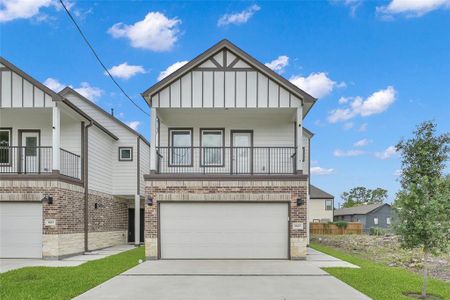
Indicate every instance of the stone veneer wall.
{"type": "Point", "coordinates": [239, 190]}
{"type": "Point", "coordinates": [107, 225]}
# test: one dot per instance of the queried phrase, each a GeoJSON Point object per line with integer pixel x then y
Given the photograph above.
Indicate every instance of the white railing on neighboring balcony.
{"type": "Point", "coordinates": [226, 160]}
{"type": "Point", "coordinates": [37, 160]}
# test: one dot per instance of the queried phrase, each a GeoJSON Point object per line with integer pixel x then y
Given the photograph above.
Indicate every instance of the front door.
{"type": "Point", "coordinates": [30, 152]}
{"type": "Point", "coordinates": [242, 152]}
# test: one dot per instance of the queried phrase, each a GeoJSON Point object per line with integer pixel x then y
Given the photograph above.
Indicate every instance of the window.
{"type": "Point", "coordinates": [181, 147]}
{"type": "Point", "coordinates": [5, 142]}
{"type": "Point", "coordinates": [303, 153]}
{"type": "Point", "coordinates": [328, 204]}
{"type": "Point", "coordinates": [212, 151]}
{"type": "Point", "coordinates": [388, 220]}
{"type": "Point", "coordinates": [30, 146]}
{"type": "Point", "coordinates": [125, 153]}
{"type": "Point", "coordinates": [375, 221]}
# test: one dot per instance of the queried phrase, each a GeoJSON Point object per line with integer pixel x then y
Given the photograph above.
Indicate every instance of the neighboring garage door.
{"type": "Point", "coordinates": [224, 230]}
{"type": "Point", "coordinates": [20, 230]}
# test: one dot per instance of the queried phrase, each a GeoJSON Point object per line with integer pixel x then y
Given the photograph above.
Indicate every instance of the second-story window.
{"type": "Point", "coordinates": [328, 204]}
{"type": "Point", "coordinates": [212, 151]}
{"type": "Point", "coordinates": [125, 153]}
{"type": "Point", "coordinates": [5, 142]}
{"type": "Point", "coordinates": [181, 147]}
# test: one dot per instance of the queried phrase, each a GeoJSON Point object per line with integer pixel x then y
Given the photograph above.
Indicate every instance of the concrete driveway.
{"type": "Point", "coordinates": [228, 279]}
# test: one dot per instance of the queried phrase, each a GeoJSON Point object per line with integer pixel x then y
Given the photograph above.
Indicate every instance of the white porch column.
{"type": "Point", "coordinates": [56, 137]}
{"type": "Point", "coordinates": [152, 139]}
{"type": "Point", "coordinates": [137, 219]}
{"type": "Point", "coordinates": [299, 138]}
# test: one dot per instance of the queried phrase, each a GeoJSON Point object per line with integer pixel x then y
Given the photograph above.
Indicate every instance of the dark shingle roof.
{"type": "Point", "coordinates": [316, 193]}
{"type": "Point", "coordinates": [358, 210]}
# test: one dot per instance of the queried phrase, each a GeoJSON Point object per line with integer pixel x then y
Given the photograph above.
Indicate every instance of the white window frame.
{"type": "Point", "coordinates": [375, 220]}
{"type": "Point", "coordinates": [121, 158]}
{"type": "Point", "coordinates": [388, 220]}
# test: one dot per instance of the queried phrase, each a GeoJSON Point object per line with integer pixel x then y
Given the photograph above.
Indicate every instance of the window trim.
{"type": "Point", "coordinates": [174, 129]}
{"type": "Point", "coordinates": [388, 220]}
{"type": "Point", "coordinates": [326, 200]}
{"type": "Point", "coordinates": [126, 159]}
{"type": "Point", "coordinates": [201, 147]}
{"type": "Point", "coordinates": [10, 131]}
{"type": "Point", "coordinates": [377, 221]}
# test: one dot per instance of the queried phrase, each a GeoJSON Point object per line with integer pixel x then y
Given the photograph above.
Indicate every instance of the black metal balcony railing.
{"type": "Point", "coordinates": [37, 160]}
{"type": "Point", "coordinates": [226, 160]}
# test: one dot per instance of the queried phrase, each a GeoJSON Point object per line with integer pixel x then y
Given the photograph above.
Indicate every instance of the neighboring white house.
{"type": "Point", "coordinates": [321, 206]}
{"type": "Point", "coordinates": [229, 177]}
{"type": "Point", "coordinates": [69, 172]}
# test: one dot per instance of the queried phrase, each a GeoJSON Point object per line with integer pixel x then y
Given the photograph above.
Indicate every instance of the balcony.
{"type": "Point", "coordinates": [226, 160]}
{"type": "Point", "coordinates": [37, 160]}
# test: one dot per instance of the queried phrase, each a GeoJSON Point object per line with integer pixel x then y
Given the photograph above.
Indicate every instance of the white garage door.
{"type": "Point", "coordinates": [224, 230]}
{"type": "Point", "coordinates": [20, 230]}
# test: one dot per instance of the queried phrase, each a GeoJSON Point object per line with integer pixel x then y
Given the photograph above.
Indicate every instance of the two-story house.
{"type": "Point", "coordinates": [71, 175]}
{"type": "Point", "coordinates": [228, 170]}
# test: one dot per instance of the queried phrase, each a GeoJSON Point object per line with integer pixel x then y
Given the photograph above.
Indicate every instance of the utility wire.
{"type": "Point", "coordinates": [98, 58]}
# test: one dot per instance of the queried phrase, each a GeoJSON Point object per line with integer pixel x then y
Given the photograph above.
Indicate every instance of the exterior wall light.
{"type": "Point", "coordinates": [300, 202]}
{"type": "Point", "coordinates": [48, 199]}
{"type": "Point", "coordinates": [149, 201]}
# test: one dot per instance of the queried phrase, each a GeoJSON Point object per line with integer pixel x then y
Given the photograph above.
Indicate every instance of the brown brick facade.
{"type": "Point", "coordinates": [210, 190]}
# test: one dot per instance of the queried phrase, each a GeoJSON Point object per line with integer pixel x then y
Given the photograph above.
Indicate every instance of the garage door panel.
{"type": "Point", "coordinates": [20, 230]}
{"type": "Point", "coordinates": [224, 230]}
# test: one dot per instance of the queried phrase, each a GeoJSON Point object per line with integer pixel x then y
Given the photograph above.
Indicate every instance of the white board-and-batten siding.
{"type": "Point", "coordinates": [211, 85]}
{"type": "Point", "coordinates": [17, 91]}
{"type": "Point", "coordinates": [120, 177]}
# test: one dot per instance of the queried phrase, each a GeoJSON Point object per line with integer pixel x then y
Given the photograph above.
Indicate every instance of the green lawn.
{"type": "Point", "coordinates": [65, 282]}
{"type": "Point", "coordinates": [378, 281]}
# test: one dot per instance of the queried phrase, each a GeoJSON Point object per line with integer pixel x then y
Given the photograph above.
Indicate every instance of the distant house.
{"type": "Point", "coordinates": [370, 215]}
{"type": "Point", "coordinates": [321, 206]}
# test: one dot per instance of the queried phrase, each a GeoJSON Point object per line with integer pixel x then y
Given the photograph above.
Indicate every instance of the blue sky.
{"type": "Point", "coordinates": [379, 68]}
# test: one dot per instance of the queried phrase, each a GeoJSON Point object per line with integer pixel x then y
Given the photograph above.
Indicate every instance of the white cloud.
{"type": "Point", "coordinates": [21, 9]}
{"type": "Point", "coordinates": [54, 84]}
{"type": "Point", "coordinates": [134, 124]}
{"type": "Point", "coordinates": [172, 68]}
{"type": "Point", "coordinates": [376, 103]}
{"type": "Point", "coordinates": [321, 171]}
{"type": "Point", "coordinates": [412, 7]}
{"type": "Point", "coordinates": [363, 127]}
{"type": "Point", "coordinates": [387, 153]}
{"type": "Point", "coordinates": [398, 172]}
{"type": "Point", "coordinates": [155, 32]}
{"type": "Point", "coordinates": [343, 100]}
{"type": "Point", "coordinates": [317, 84]}
{"type": "Point", "coordinates": [125, 71]}
{"type": "Point", "coordinates": [278, 64]}
{"type": "Point", "coordinates": [90, 92]}
{"type": "Point", "coordinates": [348, 125]}
{"type": "Point", "coordinates": [362, 143]}
{"type": "Point", "coordinates": [341, 153]}
{"type": "Point", "coordinates": [11, 10]}
{"type": "Point", "coordinates": [239, 17]}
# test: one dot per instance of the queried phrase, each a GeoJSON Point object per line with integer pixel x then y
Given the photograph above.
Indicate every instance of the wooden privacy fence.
{"type": "Point", "coordinates": [333, 229]}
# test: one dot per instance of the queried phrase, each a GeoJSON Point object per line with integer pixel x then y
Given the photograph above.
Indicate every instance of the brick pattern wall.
{"type": "Point", "coordinates": [111, 213]}
{"type": "Point", "coordinates": [296, 189]}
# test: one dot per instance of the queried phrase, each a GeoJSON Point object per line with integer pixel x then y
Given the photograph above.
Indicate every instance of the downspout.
{"type": "Point", "coordinates": [86, 186]}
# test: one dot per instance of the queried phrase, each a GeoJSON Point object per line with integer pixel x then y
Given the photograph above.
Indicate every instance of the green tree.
{"type": "Point", "coordinates": [423, 203]}
{"type": "Point", "coordinates": [360, 195]}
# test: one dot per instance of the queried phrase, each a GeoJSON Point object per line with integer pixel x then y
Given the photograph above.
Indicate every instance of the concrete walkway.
{"type": "Point", "coordinates": [228, 279]}
{"type": "Point", "coordinates": [8, 264]}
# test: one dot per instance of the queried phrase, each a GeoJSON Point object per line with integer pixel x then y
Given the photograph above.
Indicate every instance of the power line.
{"type": "Point", "coordinates": [98, 58]}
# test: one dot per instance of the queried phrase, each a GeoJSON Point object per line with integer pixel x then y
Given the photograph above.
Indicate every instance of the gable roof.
{"type": "Point", "coordinates": [68, 90]}
{"type": "Point", "coordinates": [309, 133]}
{"type": "Point", "coordinates": [358, 210]}
{"type": "Point", "coordinates": [226, 44]}
{"type": "Point", "coordinates": [33, 81]}
{"type": "Point", "coordinates": [316, 193]}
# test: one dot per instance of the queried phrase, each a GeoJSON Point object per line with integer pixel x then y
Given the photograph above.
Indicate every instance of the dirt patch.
{"type": "Point", "coordinates": [386, 250]}
{"type": "Point", "coordinates": [419, 296]}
